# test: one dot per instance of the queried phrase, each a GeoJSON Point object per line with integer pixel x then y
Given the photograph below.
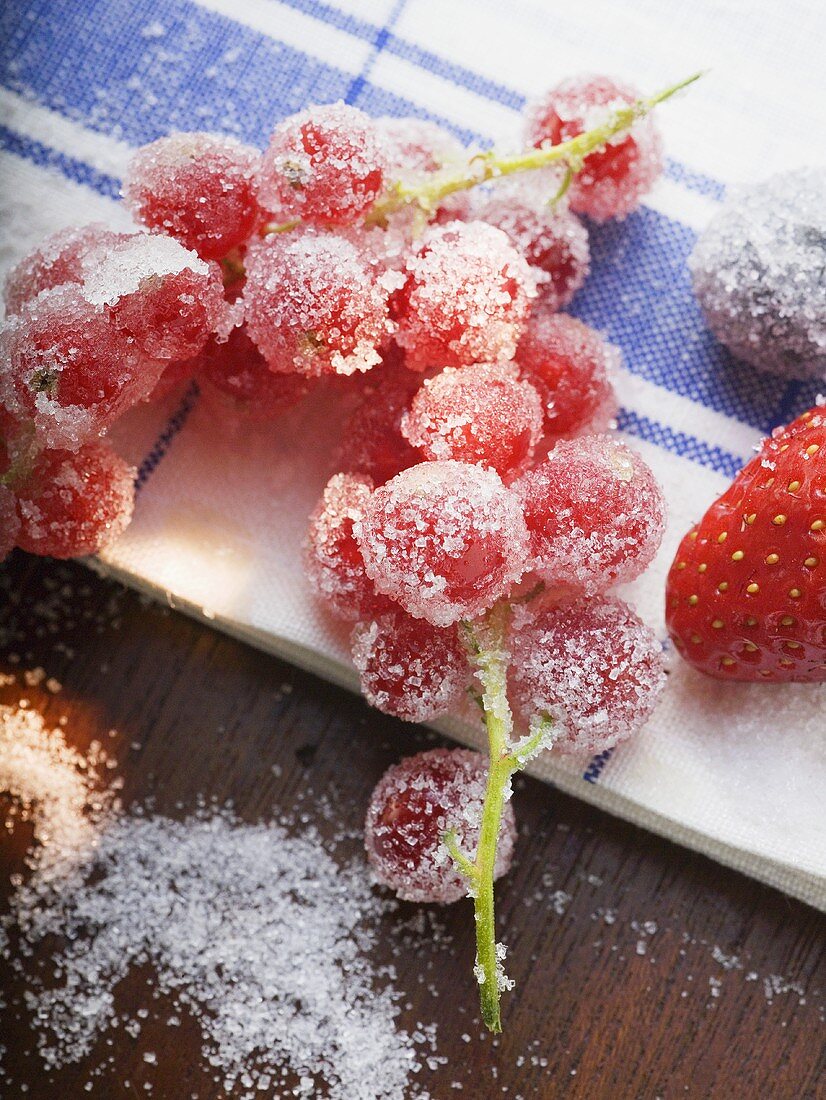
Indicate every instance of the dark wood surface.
{"type": "Point", "coordinates": [602, 1007]}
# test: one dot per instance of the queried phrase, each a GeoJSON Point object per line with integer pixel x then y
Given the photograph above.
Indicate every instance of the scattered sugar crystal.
{"type": "Point", "coordinates": [757, 271]}
{"type": "Point", "coordinates": [408, 667]}
{"type": "Point", "coordinates": [413, 805]}
{"type": "Point", "coordinates": [444, 539]}
{"type": "Point", "coordinates": [591, 665]}
{"type": "Point", "coordinates": [560, 900]}
{"type": "Point", "coordinates": [55, 787]}
{"type": "Point", "coordinates": [595, 514]}
{"type": "Point", "coordinates": [466, 298]}
{"type": "Point", "coordinates": [257, 934]}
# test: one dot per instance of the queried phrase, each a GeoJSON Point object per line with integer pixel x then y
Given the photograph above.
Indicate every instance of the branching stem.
{"type": "Point", "coordinates": [426, 195]}
{"type": "Point", "coordinates": [486, 645]}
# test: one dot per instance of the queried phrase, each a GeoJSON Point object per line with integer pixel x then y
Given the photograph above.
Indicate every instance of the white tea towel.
{"type": "Point", "coordinates": [735, 771]}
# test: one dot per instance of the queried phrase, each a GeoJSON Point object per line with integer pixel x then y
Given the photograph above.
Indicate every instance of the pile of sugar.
{"type": "Point", "coordinates": [259, 935]}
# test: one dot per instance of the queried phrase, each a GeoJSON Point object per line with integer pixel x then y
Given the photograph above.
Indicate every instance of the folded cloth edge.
{"type": "Point", "coordinates": [800, 884]}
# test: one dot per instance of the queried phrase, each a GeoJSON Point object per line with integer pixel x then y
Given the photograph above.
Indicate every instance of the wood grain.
{"type": "Point", "coordinates": [619, 941]}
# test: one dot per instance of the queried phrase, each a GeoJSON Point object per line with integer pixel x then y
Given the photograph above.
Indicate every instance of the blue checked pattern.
{"type": "Point", "coordinates": [95, 63]}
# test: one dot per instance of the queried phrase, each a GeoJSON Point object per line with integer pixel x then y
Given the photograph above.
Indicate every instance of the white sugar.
{"type": "Point", "coordinates": [116, 271]}
{"type": "Point", "coordinates": [258, 935]}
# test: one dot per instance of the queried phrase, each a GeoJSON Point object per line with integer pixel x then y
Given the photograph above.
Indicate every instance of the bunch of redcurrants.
{"type": "Point", "coordinates": [478, 466]}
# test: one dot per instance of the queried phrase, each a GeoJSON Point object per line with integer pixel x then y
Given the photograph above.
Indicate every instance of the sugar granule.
{"type": "Point", "coordinates": [261, 936]}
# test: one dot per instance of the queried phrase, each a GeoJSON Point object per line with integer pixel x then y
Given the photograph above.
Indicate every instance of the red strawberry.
{"type": "Point", "coordinates": [746, 593]}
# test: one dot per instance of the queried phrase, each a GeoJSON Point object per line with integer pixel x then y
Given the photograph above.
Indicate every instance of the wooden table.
{"type": "Point", "coordinates": [622, 945]}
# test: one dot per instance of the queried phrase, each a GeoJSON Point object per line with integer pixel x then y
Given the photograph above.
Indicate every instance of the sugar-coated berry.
{"type": "Point", "coordinates": [159, 294]}
{"type": "Point", "coordinates": [757, 271]}
{"type": "Point", "coordinates": [414, 804]}
{"type": "Point", "coordinates": [325, 166]}
{"type": "Point", "coordinates": [613, 179]}
{"type": "Point", "coordinates": [481, 413]}
{"type": "Point", "coordinates": [9, 522]}
{"type": "Point", "coordinates": [571, 366]}
{"type": "Point", "coordinates": [443, 539]}
{"type": "Point", "coordinates": [235, 372]}
{"type": "Point", "coordinates": [409, 668]}
{"type": "Point", "coordinates": [466, 297]}
{"type": "Point", "coordinates": [200, 188]}
{"type": "Point", "coordinates": [592, 665]}
{"type": "Point", "coordinates": [554, 242]}
{"type": "Point", "coordinates": [75, 503]}
{"type": "Point", "coordinates": [68, 370]}
{"type": "Point", "coordinates": [57, 260]}
{"type": "Point", "coordinates": [595, 514]}
{"type": "Point", "coordinates": [416, 146]}
{"type": "Point", "coordinates": [371, 441]}
{"type": "Point", "coordinates": [334, 563]}
{"type": "Point", "coordinates": [316, 303]}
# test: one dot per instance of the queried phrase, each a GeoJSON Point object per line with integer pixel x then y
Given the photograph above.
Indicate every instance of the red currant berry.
{"type": "Point", "coordinates": [415, 146]}
{"type": "Point", "coordinates": [69, 370]}
{"type": "Point", "coordinates": [334, 563]}
{"type": "Point", "coordinates": [443, 539]}
{"type": "Point", "coordinates": [466, 297]}
{"type": "Point", "coordinates": [409, 668]}
{"type": "Point", "coordinates": [372, 442]}
{"type": "Point", "coordinates": [414, 804]}
{"type": "Point", "coordinates": [200, 188]}
{"type": "Point", "coordinates": [238, 376]}
{"type": "Point", "coordinates": [75, 503]}
{"type": "Point", "coordinates": [325, 166]}
{"type": "Point", "coordinates": [595, 514]}
{"type": "Point", "coordinates": [482, 414]}
{"type": "Point", "coordinates": [157, 293]}
{"type": "Point", "coordinates": [56, 261]}
{"type": "Point", "coordinates": [315, 303]}
{"type": "Point", "coordinates": [613, 179]}
{"type": "Point", "coordinates": [571, 366]}
{"type": "Point", "coordinates": [555, 243]}
{"type": "Point", "coordinates": [592, 665]}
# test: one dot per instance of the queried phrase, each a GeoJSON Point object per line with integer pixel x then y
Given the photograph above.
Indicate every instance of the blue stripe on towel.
{"type": "Point", "coordinates": [75, 170]}
{"type": "Point", "coordinates": [173, 426]}
{"type": "Point", "coordinates": [679, 443]}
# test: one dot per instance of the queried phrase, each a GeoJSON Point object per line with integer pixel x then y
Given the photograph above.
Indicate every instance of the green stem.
{"type": "Point", "coordinates": [488, 165]}
{"type": "Point", "coordinates": [280, 227]}
{"type": "Point", "coordinates": [465, 865]}
{"type": "Point", "coordinates": [486, 645]}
